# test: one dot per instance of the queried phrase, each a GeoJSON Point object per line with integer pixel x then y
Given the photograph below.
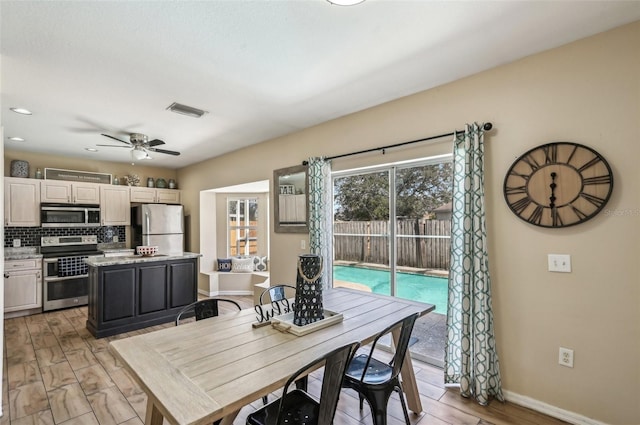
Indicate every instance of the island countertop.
{"type": "Point", "coordinates": [99, 261]}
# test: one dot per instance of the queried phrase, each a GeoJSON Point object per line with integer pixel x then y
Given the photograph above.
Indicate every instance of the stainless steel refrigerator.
{"type": "Point", "coordinates": [159, 225]}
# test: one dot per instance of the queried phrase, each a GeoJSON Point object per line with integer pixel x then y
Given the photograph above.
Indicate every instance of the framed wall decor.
{"type": "Point", "coordinates": [291, 200]}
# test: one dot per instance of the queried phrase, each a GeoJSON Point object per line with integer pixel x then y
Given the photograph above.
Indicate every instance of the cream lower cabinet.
{"type": "Point", "coordinates": [150, 195]}
{"type": "Point", "coordinates": [115, 208]}
{"type": "Point", "coordinates": [21, 202]}
{"type": "Point", "coordinates": [22, 285]}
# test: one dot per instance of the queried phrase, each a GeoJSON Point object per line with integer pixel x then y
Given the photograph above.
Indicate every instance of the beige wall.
{"type": "Point", "coordinates": [586, 92]}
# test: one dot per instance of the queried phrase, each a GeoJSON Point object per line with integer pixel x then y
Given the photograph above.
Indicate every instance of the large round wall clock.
{"type": "Point", "coordinates": [558, 184]}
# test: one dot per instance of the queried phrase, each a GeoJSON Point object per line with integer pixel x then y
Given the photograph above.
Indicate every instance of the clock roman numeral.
{"type": "Point", "coordinates": [520, 205]}
{"type": "Point", "coordinates": [516, 190]}
{"type": "Point", "coordinates": [556, 220]}
{"type": "Point", "coordinates": [531, 162]}
{"type": "Point", "coordinates": [524, 176]}
{"type": "Point", "coordinates": [536, 215]}
{"type": "Point", "coordinates": [575, 148]}
{"type": "Point", "coordinates": [579, 213]}
{"type": "Point", "coordinates": [591, 163]}
{"type": "Point", "coordinates": [551, 154]}
{"type": "Point", "coordinates": [597, 180]}
{"type": "Point", "coordinates": [595, 200]}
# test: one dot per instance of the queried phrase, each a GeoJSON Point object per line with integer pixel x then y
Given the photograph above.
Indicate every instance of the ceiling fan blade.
{"type": "Point", "coordinates": [164, 151]}
{"type": "Point", "coordinates": [116, 146]}
{"type": "Point", "coordinates": [156, 142]}
{"type": "Point", "coordinates": [115, 138]}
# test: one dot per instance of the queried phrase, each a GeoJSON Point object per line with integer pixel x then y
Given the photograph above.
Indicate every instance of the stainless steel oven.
{"type": "Point", "coordinates": [65, 275]}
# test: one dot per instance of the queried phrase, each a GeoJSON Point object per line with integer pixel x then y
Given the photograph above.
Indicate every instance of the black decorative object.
{"type": "Point", "coordinates": [308, 301]}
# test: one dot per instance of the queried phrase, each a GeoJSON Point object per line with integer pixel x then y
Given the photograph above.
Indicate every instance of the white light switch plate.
{"type": "Point", "coordinates": [559, 263]}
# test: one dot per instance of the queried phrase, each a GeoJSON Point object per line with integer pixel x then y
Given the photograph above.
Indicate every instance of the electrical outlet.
{"type": "Point", "coordinates": [115, 239]}
{"type": "Point", "coordinates": [559, 263]}
{"type": "Point", "coordinates": [565, 357]}
{"type": "Point", "coordinates": [303, 244]}
{"type": "Point", "coordinates": [17, 243]}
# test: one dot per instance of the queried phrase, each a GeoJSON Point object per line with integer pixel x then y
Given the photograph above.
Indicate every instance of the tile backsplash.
{"type": "Point", "coordinates": [30, 236]}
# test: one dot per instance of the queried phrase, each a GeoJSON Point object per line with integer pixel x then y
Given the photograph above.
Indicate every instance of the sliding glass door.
{"type": "Point", "coordinates": [372, 254]}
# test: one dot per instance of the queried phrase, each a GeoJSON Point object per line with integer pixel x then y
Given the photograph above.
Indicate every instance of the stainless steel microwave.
{"type": "Point", "coordinates": [67, 215]}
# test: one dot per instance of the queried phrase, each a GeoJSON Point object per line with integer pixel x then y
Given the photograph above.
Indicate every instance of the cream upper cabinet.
{"type": "Point", "coordinates": [115, 208]}
{"type": "Point", "coordinates": [21, 202]}
{"type": "Point", "coordinates": [150, 195]}
{"type": "Point", "coordinates": [70, 192]}
{"type": "Point", "coordinates": [22, 285]}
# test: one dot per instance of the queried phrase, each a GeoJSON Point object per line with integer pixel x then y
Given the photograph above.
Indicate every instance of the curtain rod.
{"type": "Point", "coordinates": [487, 127]}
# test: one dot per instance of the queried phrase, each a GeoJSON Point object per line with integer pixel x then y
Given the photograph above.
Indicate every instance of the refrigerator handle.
{"type": "Point", "coordinates": [147, 219]}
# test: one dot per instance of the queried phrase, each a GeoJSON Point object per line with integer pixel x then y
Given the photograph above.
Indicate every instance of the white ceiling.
{"type": "Point", "coordinates": [261, 69]}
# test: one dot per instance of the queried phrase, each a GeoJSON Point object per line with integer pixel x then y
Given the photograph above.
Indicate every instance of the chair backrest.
{"type": "Point", "coordinates": [205, 308]}
{"type": "Point", "coordinates": [277, 295]}
{"type": "Point", "coordinates": [335, 364]}
{"type": "Point", "coordinates": [406, 327]}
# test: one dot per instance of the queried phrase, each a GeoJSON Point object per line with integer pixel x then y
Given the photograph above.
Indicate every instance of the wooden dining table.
{"type": "Point", "coordinates": [207, 370]}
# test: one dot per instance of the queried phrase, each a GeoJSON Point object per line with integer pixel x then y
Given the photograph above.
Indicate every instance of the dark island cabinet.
{"type": "Point", "coordinates": [126, 297]}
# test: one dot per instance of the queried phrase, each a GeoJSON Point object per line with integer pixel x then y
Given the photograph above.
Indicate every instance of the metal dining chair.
{"type": "Point", "coordinates": [375, 380]}
{"type": "Point", "coordinates": [205, 308]}
{"type": "Point", "coordinates": [300, 408]}
{"type": "Point", "coordinates": [277, 295]}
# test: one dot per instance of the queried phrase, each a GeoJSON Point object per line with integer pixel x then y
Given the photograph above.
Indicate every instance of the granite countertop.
{"type": "Point", "coordinates": [23, 253]}
{"type": "Point", "coordinates": [100, 261]}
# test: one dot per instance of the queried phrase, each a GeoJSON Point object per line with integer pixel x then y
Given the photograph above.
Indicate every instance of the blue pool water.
{"type": "Point", "coordinates": [429, 289]}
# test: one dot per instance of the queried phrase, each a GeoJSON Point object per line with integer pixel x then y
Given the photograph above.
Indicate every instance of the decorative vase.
{"type": "Point", "coordinates": [19, 168]}
{"type": "Point", "coordinates": [308, 301]}
{"type": "Point", "coordinates": [161, 183]}
{"type": "Point", "coordinates": [150, 182]}
{"type": "Point", "coordinates": [172, 184]}
{"type": "Point", "coordinates": [38, 173]}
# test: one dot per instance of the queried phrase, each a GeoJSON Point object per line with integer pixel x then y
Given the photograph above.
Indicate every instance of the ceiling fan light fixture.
{"type": "Point", "coordinates": [138, 154]}
{"type": "Point", "coordinates": [186, 110]}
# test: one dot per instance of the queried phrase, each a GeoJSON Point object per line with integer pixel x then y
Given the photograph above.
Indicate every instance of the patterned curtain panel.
{"type": "Point", "coordinates": [471, 359]}
{"type": "Point", "coordinates": [321, 216]}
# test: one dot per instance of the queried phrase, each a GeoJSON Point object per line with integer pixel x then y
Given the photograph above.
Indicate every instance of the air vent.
{"type": "Point", "coordinates": [186, 110]}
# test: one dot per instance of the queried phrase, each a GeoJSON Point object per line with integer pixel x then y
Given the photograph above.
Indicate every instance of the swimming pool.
{"type": "Point", "coordinates": [429, 289]}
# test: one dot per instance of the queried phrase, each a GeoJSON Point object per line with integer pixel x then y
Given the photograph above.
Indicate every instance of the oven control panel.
{"type": "Point", "coordinates": [69, 240]}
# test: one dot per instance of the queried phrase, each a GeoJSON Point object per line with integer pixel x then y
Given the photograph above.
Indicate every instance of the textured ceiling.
{"type": "Point", "coordinates": [261, 69]}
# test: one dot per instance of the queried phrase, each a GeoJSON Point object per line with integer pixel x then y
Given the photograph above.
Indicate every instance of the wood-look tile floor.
{"type": "Point", "coordinates": [55, 372]}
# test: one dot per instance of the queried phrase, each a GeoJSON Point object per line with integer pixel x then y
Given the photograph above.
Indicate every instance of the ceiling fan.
{"type": "Point", "coordinates": [140, 146]}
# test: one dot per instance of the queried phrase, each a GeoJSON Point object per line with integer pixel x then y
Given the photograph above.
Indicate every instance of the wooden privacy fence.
{"type": "Point", "coordinates": [420, 243]}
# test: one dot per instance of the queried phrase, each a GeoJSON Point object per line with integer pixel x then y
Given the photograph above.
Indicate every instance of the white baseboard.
{"type": "Point", "coordinates": [218, 293]}
{"type": "Point", "coordinates": [547, 409]}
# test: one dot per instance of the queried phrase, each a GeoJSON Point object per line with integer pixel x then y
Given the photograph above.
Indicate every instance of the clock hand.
{"type": "Point", "coordinates": [552, 198]}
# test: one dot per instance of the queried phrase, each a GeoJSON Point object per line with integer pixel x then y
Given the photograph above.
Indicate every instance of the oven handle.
{"type": "Point", "coordinates": [57, 279]}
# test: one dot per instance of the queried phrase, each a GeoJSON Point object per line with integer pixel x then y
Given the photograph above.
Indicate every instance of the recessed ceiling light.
{"type": "Point", "coordinates": [91, 149]}
{"type": "Point", "coordinates": [186, 110]}
{"type": "Point", "coordinates": [16, 139]}
{"type": "Point", "coordinates": [345, 2]}
{"type": "Point", "coordinates": [22, 111]}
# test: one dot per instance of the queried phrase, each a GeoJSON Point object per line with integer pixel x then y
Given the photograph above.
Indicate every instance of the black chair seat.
{"type": "Point", "coordinates": [374, 380]}
{"type": "Point", "coordinates": [378, 373]}
{"type": "Point", "coordinates": [298, 407]}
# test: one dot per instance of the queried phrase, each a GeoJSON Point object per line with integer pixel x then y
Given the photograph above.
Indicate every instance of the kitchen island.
{"type": "Point", "coordinates": [135, 292]}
